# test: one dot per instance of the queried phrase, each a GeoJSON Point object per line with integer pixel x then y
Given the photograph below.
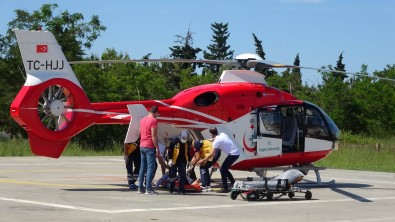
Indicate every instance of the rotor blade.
{"type": "Point", "coordinates": [218, 62]}
{"type": "Point", "coordinates": [270, 64]}
{"type": "Point", "coordinates": [348, 73]}
{"type": "Point", "coordinates": [267, 64]}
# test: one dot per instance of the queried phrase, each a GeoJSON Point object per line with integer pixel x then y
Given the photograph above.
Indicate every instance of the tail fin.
{"type": "Point", "coordinates": [48, 103]}
{"type": "Point", "coordinates": [137, 111]}
{"type": "Point", "coordinates": [43, 57]}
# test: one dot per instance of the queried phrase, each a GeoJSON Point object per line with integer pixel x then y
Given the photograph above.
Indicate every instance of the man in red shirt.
{"type": "Point", "coordinates": [148, 150]}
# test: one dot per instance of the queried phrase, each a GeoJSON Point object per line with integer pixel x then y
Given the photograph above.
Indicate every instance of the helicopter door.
{"type": "Point", "coordinates": [321, 131]}
{"type": "Point", "coordinates": [292, 125]}
{"type": "Point", "coordinates": [268, 133]}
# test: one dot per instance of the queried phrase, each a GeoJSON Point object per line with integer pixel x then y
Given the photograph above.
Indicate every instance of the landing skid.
{"type": "Point", "coordinates": [261, 172]}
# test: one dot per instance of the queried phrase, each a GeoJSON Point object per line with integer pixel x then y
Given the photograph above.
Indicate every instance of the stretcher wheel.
{"type": "Point", "coordinates": [233, 195]}
{"type": "Point", "coordinates": [269, 196]}
{"type": "Point", "coordinates": [252, 196]}
{"type": "Point", "coordinates": [291, 194]}
{"type": "Point", "coordinates": [308, 195]}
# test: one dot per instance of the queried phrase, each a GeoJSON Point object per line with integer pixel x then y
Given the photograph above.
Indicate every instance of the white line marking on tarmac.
{"type": "Point", "coordinates": [366, 219]}
{"type": "Point", "coordinates": [72, 163]}
{"type": "Point", "coordinates": [211, 207]}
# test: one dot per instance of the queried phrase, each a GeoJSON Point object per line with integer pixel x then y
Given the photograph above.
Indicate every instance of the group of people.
{"type": "Point", "coordinates": [183, 155]}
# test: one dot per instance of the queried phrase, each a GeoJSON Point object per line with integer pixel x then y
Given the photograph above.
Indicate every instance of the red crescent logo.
{"type": "Point", "coordinates": [249, 149]}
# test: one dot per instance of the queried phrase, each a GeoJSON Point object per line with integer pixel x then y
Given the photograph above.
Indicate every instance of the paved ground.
{"type": "Point", "coordinates": [94, 189]}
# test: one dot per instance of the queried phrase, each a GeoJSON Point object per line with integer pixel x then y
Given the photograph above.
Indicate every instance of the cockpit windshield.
{"type": "Point", "coordinates": [317, 119]}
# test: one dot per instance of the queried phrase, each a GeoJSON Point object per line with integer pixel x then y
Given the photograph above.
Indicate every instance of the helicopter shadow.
{"type": "Point", "coordinates": [340, 188]}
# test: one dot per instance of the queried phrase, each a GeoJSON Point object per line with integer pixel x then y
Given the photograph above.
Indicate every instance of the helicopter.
{"type": "Point", "coordinates": [272, 128]}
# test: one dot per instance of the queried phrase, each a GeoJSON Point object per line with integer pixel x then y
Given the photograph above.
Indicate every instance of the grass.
{"type": "Point", "coordinates": [355, 153]}
{"type": "Point", "coordinates": [359, 152]}
{"type": "Point", "coordinates": [361, 157]}
{"type": "Point", "coordinates": [20, 147]}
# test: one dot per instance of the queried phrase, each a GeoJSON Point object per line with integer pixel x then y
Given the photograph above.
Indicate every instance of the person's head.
{"type": "Point", "coordinates": [197, 144]}
{"type": "Point", "coordinates": [184, 136]}
{"type": "Point", "coordinates": [154, 111]}
{"type": "Point", "coordinates": [213, 131]}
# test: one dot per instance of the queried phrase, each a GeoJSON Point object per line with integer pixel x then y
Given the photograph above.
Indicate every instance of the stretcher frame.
{"type": "Point", "coordinates": [283, 187]}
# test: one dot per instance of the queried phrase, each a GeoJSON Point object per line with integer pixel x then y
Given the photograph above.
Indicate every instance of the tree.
{"type": "Point", "coordinates": [340, 67]}
{"type": "Point", "coordinates": [258, 47]}
{"type": "Point", "coordinates": [219, 50]}
{"type": "Point", "coordinates": [70, 30]}
{"type": "Point", "coordinates": [185, 50]}
{"type": "Point", "coordinates": [296, 76]}
{"type": "Point", "coordinates": [259, 51]}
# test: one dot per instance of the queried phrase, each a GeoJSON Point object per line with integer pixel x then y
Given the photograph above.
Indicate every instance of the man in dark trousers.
{"type": "Point", "coordinates": [131, 153]}
{"type": "Point", "coordinates": [225, 144]}
{"type": "Point", "coordinates": [178, 157]}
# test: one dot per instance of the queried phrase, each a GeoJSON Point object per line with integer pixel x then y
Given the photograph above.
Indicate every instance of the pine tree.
{"type": "Point", "coordinates": [185, 50]}
{"type": "Point", "coordinates": [219, 50]}
{"type": "Point", "coordinates": [259, 51]}
{"type": "Point", "coordinates": [258, 47]}
{"type": "Point", "coordinates": [296, 75]}
{"type": "Point", "coordinates": [340, 67]}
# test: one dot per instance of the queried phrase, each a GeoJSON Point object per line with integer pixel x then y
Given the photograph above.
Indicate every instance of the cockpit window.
{"type": "Point", "coordinates": [206, 99]}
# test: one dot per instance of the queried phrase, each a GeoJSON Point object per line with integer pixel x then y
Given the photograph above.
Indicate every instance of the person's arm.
{"type": "Point", "coordinates": [170, 153]}
{"type": "Point", "coordinates": [154, 133]}
{"type": "Point", "coordinates": [125, 152]}
{"type": "Point", "coordinates": [203, 161]}
{"type": "Point", "coordinates": [195, 158]}
{"type": "Point", "coordinates": [125, 149]}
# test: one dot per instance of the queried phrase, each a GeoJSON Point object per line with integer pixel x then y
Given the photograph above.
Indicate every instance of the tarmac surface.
{"type": "Point", "coordinates": [95, 189]}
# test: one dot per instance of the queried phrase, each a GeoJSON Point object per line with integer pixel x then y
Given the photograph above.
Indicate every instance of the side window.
{"type": "Point", "coordinates": [206, 99]}
{"type": "Point", "coordinates": [315, 125]}
{"type": "Point", "coordinates": [270, 121]}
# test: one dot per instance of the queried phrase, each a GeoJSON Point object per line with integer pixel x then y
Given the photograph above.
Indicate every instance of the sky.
{"type": "Point", "coordinates": [319, 30]}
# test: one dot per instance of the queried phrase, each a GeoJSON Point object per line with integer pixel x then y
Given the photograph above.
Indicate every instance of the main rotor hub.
{"type": "Point", "coordinates": [248, 56]}
{"type": "Point", "coordinates": [244, 59]}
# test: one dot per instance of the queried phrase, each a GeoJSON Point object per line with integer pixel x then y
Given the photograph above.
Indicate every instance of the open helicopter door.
{"type": "Point", "coordinates": [280, 130]}
{"type": "Point", "coordinates": [269, 142]}
{"type": "Point", "coordinates": [292, 128]}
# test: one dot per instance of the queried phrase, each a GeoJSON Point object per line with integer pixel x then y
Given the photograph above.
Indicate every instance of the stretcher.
{"type": "Point", "coordinates": [269, 187]}
{"type": "Point", "coordinates": [190, 186]}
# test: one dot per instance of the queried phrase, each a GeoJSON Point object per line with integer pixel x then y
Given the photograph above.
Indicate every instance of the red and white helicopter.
{"type": "Point", "coordinates": [272, 128]}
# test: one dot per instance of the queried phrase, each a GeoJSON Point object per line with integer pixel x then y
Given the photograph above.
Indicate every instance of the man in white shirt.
{"type": "Point", "coordinates": [225, 144]}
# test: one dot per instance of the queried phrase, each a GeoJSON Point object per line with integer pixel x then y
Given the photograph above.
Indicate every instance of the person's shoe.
{"type": "Point", "coordinates": [206, 189]}
{"type": "Point", "coordinates": [133, 186]}
{"type": "Point", "coordinates": [140, 191]}
{"type": "Point", "coordinates": [223, 191]}
{"type": "Point", "coordinates": [151, 192]}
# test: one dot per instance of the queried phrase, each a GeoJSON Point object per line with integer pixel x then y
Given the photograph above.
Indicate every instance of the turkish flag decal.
{"type": "Point", "coordinates": [41, 48]}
